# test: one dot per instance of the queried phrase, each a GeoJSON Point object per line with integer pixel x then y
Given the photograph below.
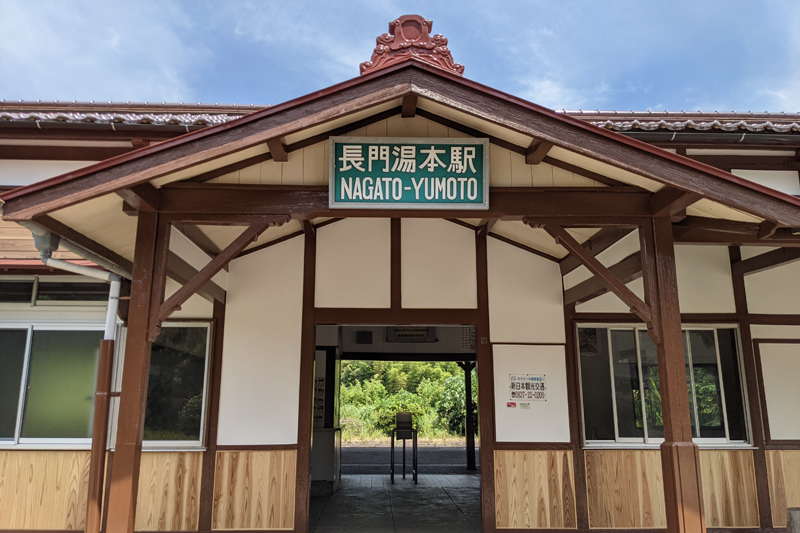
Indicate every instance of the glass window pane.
{"type": "Point", "coordinates": [71, 292]}
{"type": "Point", "coordinates": [16, 291]}
{"type": "Point", "coordinates": [175, 390]}
{"type": "Point", "coordinates": [706, 384]}
{"type": "Point", "coordinates": [598, 406]}
{"type": "Point", "coordinates": [652, 386]}
{"type": "Point", "coordinates": [61, 384]}
{"type": "Point", "coordinates": [626, 384]}
{"type": "Point", "coordinates": [12, 357]}
{"type": "Point", "coordinates": [732, 383]}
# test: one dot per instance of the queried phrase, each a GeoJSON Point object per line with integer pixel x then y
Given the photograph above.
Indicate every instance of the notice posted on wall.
{"type": "Point", "coordinates": [524, 388]}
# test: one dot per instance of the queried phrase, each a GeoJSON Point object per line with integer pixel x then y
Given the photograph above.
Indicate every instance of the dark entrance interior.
{"type": "Point", "coordinates": [363, 376]}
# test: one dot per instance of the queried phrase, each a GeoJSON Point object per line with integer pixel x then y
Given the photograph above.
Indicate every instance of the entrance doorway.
{"type": "Point", "coordinates": [364, 376]}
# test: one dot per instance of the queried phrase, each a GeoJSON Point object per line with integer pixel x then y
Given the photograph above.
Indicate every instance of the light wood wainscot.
{"type": "Point", "coordinates": [729, 488]}
{"type": "Point", "coordinates": [254, 489]}
{"type": "Point", "coordinates": [534, 489]}
{"type": "Point", "coordinates": [169, 491]}
{"type": "Point", "coordinates": [783, 468]}
{"type": "Point", "coordinates": [625, 489]}
{"type": "Point", "coordinates": [43, 489]}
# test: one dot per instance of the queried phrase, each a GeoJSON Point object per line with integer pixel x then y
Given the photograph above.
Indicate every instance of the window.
{"type": "Point", "coordinates": [54, 290]}
{"type": "Point", "coordinates": [47, 383]}
{"type": "Point", "coordinates": [175, 412]}
{"type": "Point", "coordinates": [621, 388]}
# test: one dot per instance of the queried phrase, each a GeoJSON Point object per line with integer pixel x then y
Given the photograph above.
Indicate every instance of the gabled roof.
{"type": "Point", "coordinates": [379, 91]}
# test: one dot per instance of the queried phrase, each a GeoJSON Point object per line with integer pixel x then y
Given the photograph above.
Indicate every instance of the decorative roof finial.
{"type": "Point", "coordinates": [410, 37]}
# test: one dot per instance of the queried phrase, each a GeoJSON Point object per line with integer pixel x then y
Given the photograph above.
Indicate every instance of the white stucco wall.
{"type": "Point", "coordinates": [780, 365]}
{"type": "Point", "coordinates": [261, 349]}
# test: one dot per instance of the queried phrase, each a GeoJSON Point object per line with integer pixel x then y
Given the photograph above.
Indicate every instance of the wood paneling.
{"type": "Point", "coordinates": [255, 490]}
{"type": "Point", "coordinates": [169, 491]}
{"type": "Point", "coordinates": [784, 483]}
{"type": "Point", "coordinates": [729, 488]}
{"type": "Point", "coordinates": [43, 489]}
{"type": "Point", "coordinates": [625, 489]}
{"type": "Point", "coordinates": [534, 489]}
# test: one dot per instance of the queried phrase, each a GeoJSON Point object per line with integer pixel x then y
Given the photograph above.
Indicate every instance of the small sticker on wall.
{"type": "Point", "coordinates": [524, 406]}
{"type": "Point", "coordinates": [528, 387]}
{"type": "Point", "coordinates": [512, 405]}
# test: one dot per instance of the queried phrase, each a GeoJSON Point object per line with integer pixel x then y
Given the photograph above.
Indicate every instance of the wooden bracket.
{"type": "Point", "coordinates": [669, 201]}
{"type": "Point", "coordinates": [278, 150]}
{"type": "Point", "coordinates": [636, 305]}
{"type": "Point", "coordinates": [214, 266]}
{"type": "Point", "coordinates": [766, 229]}
{"type": "Point", "coordinates": [537, 151]}
{"type": "Point", "coordinates": [766, 261]}
{"type": "Point", "coordinates": [409, 109]}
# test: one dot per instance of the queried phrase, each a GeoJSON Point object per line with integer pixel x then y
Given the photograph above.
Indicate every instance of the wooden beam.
{"type": "Point", "coordinates": [749, 162]}
{"type": "Point", "coordinates": [312, 202]}
{"type": "Point", "coordinates": [689, 235]}
{"type": "Point", "coordinates": [636, 305]}
{"type": "Point", "coordinates": [486, 225]}
{"type": "Point", "coordinates": [719, 224]}
{"type": "Point", "coordinates": [278, 150]}
{"type": "Point", "coordinates": [537, 151]}
{"type": "Point", "coordinates": [181, 271]}
{"type": "Point", "coordinates": [669, 201]}
{"type": "Point", "coordinates": [627, 270]}
{"type": "Point", "coordinates": [212, 268]}
{"type": "Point", "coordinates": [197, 237]}
{"type": "Point", "coordinates": [600, 241]}
{"type": "Point", "coordinates": [409, 105]}
{"type": "Point", "coordinates": [524, 247]}
{"type": "Point", "coordinates": [395, 272]}
{"type": "Point", "coordinates": [142, 197]}
{"type": "Point", "coordinates": [766, 261]}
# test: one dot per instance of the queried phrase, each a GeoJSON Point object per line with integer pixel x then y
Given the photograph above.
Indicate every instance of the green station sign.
{"type": "Point", "coordinates": [404, 173]}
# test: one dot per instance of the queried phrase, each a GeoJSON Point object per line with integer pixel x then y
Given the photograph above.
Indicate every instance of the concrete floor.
{"type": "Point", "coordinates": [369, 503]}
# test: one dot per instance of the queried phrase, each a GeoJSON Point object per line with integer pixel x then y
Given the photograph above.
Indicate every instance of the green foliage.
{"type": "Point", "coordinates": [373, 392]}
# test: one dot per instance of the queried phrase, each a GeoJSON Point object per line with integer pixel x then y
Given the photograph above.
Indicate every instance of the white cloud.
{"type": "Point", "coordinates": [96, 50]}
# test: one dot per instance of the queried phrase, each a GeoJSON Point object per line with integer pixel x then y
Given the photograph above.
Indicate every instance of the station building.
{"type": "Point", "coordinates": [627, 284]}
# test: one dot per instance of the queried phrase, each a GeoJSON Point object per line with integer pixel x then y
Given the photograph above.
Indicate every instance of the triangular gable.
{"type": "Point", "coordinates": [378, 92]}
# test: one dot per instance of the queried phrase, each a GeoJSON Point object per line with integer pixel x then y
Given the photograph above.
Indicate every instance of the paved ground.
{"type": "Point", "coordinates": [369, 503]}
{"type": "Point", "coordinates": [445, 460]}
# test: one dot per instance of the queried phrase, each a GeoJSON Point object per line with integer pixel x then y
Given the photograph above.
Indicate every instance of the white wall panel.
{"type": "Point", "coordinates": [541, 421]}
{"type": "Point", "coordinates": [261, 349]}
{"type": "Point", "coordinates": [354, 263]}
{"type": "Point", "coordinates": [780, 364]}
{"type": "Point", "coordinates": [438, 265]}
{"type": "Point", "coordinates": [785, 181]}
{"type": "Point", "coordinates": [189, 252]}
{"type": "Point", "coordinates": [16, 172]}
{"type": "Point", "coordinates": [774, 291]}
{"type": "Point", "coordinates": [704, 284]}
{"type": "Point", "coordinates": [763, 331]}
{"type": "Point", "coordinates": [525, 296]}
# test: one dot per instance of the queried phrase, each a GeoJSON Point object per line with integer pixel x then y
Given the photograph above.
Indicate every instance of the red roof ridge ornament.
{"type": "Point", "coordinates": [409, 37]}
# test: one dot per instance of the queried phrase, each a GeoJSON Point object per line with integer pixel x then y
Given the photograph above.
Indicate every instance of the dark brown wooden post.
{"type": "Point", "coordinates": [469, 424]}
{"type": "Point", "coordinates": [485, 387]}
{"type": "Point", "coordinates": [306, 399]}
{"type": "Point", "coordinates": [680, 457]}
{"type": "Point", "coordinates": [151, 241]}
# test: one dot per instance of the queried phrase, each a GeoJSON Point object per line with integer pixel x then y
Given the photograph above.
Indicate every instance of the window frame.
{"type": "Point", "coordinates": [35, 302]}
{"type": "Point", "coordinates": [172, 445]}
{"type": "Point", "coordinates": [654, 442]}
{"type": "Point", "coordinates": [38, 443]}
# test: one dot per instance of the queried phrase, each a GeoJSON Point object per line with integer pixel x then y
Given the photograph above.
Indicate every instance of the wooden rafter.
{"type": "Point", "coordinates": [600, 241]}
{"type": "Point", "coordinates": [636, 305]}
{"type": "Point", "coordinates": [213, 267]}
{"type": "Point", "coordinates": [537, 151]}
{"type": "Point", "coordinates": [486, 225]}
{"type": "Point", "coordinates": [670, 201]}
{"type": "Point", "coordinates": [409, 105]}
{"type": "Point", "coordinates": [278, 150]}
{"type": "Point", "coordinates": [142, 197]}
{"type": "Point", "coordinates": [181, 271]}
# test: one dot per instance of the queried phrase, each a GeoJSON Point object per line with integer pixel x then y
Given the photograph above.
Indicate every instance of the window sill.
{"type": "Point", "coordinates": [657, 446]}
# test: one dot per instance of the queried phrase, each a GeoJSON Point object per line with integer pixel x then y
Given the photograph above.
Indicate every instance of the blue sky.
{"type": "Point", "coordinates": [725, 55]}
